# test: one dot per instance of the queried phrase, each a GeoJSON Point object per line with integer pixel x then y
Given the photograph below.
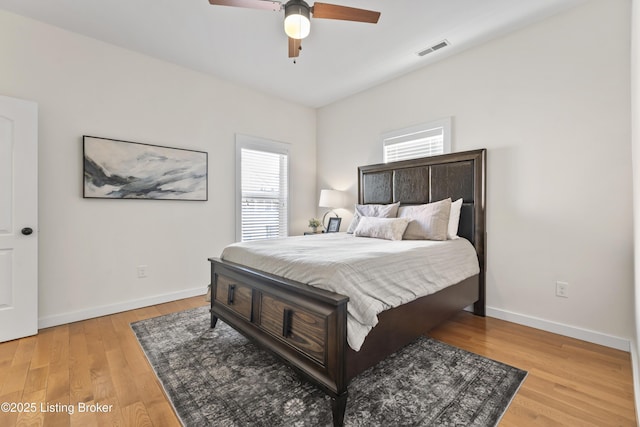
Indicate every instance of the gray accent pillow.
{"type": "Point", "coordinates": [377, 211]}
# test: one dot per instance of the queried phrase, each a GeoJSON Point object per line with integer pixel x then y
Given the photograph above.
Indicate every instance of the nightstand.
{"type": "Point", "coordinates": [309, 233]}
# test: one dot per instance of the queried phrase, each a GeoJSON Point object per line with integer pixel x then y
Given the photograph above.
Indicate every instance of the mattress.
{"type": "Point", "coordinates": [375, 274]}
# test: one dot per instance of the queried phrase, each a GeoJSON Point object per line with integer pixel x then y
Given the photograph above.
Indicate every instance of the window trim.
{"type": "Point", "coordinates": [444, 123]}
{"type": "Point", "coordinates": [259, 144]}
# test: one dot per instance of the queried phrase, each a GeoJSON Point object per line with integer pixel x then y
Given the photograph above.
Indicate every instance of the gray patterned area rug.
{"type": "Point", "coordinates": [216, 377]}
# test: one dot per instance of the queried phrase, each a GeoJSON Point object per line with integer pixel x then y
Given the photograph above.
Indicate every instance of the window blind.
{"type": "Point", "coordinates": [420, 141]}
{"type": "Point", "coordinates": [264, 199]}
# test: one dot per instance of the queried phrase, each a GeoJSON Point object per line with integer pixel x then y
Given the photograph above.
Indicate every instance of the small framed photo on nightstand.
{"type": "Point", "coordinates": [334, 225]}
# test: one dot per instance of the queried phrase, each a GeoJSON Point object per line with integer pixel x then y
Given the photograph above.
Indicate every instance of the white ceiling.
{"type": "Point", "coordinates": [249, 47]}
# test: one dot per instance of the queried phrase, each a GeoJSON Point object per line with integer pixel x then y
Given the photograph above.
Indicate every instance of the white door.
{"type": "Point", "coordinates": [18, 218]}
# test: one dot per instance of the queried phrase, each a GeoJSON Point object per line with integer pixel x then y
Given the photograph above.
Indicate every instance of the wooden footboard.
{"type": "Point", "coordinates": [305, 326]}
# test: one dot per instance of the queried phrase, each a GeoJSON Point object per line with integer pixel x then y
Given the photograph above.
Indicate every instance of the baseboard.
{"type": "Point", "coordinates": [104, 310]}
{"type": "Point", "coordinates": [521, 319]}
{"type": "Point", "coordinates": [561, 329]}
{"type": "Point", "coordinates": [636, 375]}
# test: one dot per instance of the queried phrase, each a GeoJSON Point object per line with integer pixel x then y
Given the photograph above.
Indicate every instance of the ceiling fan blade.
{"type": "Point", "coordinates": [294, 47]}
{"type": "Point", "coordinates": [253, 4]}
{"type": "Point", "coordinates": [344, 13]}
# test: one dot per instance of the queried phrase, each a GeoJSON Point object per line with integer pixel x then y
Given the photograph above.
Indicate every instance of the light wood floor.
{"type": "Point", "coordinates": [570, 382]}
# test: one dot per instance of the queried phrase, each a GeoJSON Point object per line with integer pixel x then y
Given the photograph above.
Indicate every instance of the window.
{"type": "Point", "coordinates": [424, 140]}
{"type": "Point", "coordinates": [262, 182]}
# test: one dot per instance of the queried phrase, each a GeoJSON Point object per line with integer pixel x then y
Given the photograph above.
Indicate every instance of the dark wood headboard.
{"type": "Point", "coordinates": [429, 179]}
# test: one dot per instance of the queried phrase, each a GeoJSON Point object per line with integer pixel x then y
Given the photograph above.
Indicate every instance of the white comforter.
{"type": "Point", "coordinates": [375, 274]}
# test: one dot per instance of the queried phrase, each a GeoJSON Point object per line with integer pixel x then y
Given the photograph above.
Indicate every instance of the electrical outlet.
{"type": "Point", "coordinates": [142, 271]}
{"type": "Point", "coordinates": [562, 289]}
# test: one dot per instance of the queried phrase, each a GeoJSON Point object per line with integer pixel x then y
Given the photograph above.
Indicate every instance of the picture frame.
{"type": "Point", "coordinates": [116, 169]}
{"type": "Point", "coordinates": [334, 225]}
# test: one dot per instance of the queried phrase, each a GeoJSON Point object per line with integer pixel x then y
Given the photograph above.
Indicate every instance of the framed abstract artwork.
{"type": "Point", "coordinates": [116, 169]}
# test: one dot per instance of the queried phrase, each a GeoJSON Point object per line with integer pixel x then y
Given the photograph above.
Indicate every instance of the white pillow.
{"type": "Point", "coordinates": [377, 211]}
{"type": "Point", "coordinates": [454, 219]}
{"type": "Point", "coordinates": [428, 222]}
{"type": "Point", "coordinates": [381, 228]}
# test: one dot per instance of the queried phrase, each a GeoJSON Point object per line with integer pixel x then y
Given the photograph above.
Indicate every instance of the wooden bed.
{"type": "Point", "coordinates": [307, 326]}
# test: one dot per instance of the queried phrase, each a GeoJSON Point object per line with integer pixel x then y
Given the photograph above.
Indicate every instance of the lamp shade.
{"type": "Point", "coordinates": [331, 199]}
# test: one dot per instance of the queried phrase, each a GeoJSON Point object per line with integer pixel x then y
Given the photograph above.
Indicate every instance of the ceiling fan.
{"type": "Point", "coordinates": [297, 13]}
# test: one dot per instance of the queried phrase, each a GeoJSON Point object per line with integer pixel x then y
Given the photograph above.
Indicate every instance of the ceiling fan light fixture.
{"type": "Point", "coordinates": [296, 19]}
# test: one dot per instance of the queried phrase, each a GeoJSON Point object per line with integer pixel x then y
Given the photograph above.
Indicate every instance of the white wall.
{"type": "Point", "coordinates": [551, 104]}
{"type": "Point", "coordinates": [89, 249]}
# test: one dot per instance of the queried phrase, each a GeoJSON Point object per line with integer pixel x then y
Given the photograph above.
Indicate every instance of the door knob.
{"type": "Point", "coordinates": [26, 231]}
